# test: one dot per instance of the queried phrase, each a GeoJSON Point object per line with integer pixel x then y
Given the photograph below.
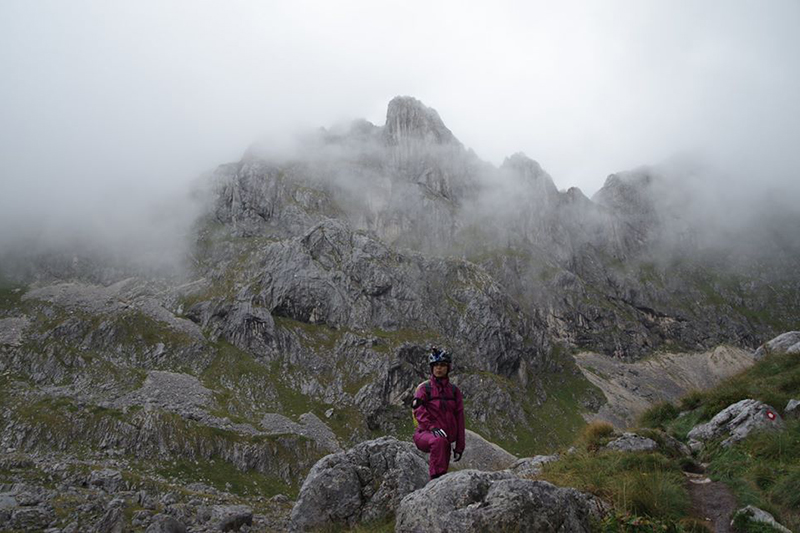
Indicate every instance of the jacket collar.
{"type": "Point", "coordinates": [440, 381]}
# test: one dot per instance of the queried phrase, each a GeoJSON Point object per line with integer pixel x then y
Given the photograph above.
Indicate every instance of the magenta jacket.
{"type": "Point", "coordinates": [443, 410]}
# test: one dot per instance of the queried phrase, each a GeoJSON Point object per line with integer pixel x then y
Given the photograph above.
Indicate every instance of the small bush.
{"type": "Point", "coordinates": [596, 434]}
{"type": "Point", "coordinates": [659, 415]}
{"type": "Point", "coordinates": [659, 494]}
{"type": "Point", "coordinates": [787, 489]}
{"type": "Point", "coordinates": [692, 400]}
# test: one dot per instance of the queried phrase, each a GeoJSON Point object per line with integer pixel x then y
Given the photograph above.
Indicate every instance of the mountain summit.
{"type": "Point", "coordinates": [409, 119]}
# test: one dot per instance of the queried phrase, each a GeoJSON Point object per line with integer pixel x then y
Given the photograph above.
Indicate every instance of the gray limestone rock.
{"type": "Point", "coordinates": [480, 454]}
{"type": "Point", "coordinates": [363, 484]}
{"type": "Point", "coordinates": [113, 521]}
{"type": "Point", "coordinates": [630, 442]}
{"type": "Point", "coordinates": [473, 501]}
{"type": "Point", "coordinates": [109, 480]}
{"type": "Point", "coordinates": [171, 391]}
{"type": "Point", "coordinates": [163, 523]}
{"type": "Point", "coordinates": [738, 420]}
{"type": "Point", "coordinates": [231, 517]}
{"type": "Point", "coordinates": [310, 426]}
{"type": "Point", "coordinates": [531, 466]}
{"type": "Point", "coordinates": [754, 514]}
{"type": "Point", "coordinates": [7, 501]}
{"type": "Point", "coordinates": [12, 330]}
{"type": "Point", "coordinates": [31, 518]}
{"type": "Point", "coordinates": [788, 342]}
{"type": "Point", "coordinates": [792, 409]}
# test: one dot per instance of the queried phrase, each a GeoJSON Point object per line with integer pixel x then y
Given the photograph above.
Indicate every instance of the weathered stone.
{"type": "Point", "coordinates": [231, 517]}
{"type": "Point", "coordinates": [163, 523]}
{"type": "Point", "coordinates": [472, 501]}
{"type": "Point", "coordinates": [113, 521]}
{"type": "Point", "coordinates": [531, 466]}
{"type": "Point", "coordinates": [366, 483]}
{"type": "Point", "coordinates": [31, 518]}
{"type": "Point", "coordinates": [630, 442]}
{"type": "Point", "coordinates": [792, 409]}
{"type": "Point", "coordinates": [480, 454]}
{"type": "Point", "coordinates": [754, 514]}
{"type": "Point", "coordinates": [738, 420]}
{"type": "Point", "coordinates": [280, 498]}
{"type": "Point", "coordinates": [788, 342]}
{"type": "Point", "coordinates": [106, 479]}
{"type": "Point", "coordinates": [12, 330]}
{"type": "Point", "coordinates": [7, 501]}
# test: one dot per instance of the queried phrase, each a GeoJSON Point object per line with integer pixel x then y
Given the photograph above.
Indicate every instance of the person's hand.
{"type": "Point", "coordinates": [439, 433]}
{"type": "Point", "coordinates": [456, 456]}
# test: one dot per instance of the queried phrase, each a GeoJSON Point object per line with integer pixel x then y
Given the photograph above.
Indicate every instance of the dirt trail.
{"type": "Point", "coordinates": [712, 502]}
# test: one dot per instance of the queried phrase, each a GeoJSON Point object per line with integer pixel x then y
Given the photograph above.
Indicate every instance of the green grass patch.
{"type": "Point", "coordinates": [643, 484]}
{"type": "Point", "coordinates": [658, 415]}
{"type": "Point", "coordinates": [763, 470]}
{"type": "Point", "coordinates": [552, 424]}
{"type": "Point", "coordinates": [246, 389]}
{"type": "Point", "coordinates": [134, 327]}
{"type": "Point", "coordinates": [10, 298]}
{"type": "Point", "coordinates": [316, 337]}
{"type": "Point", "coordinates": [774, 380]}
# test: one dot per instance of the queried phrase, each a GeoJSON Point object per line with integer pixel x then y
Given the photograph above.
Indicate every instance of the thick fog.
{"type": "Point", "coordinates": [109, 110]}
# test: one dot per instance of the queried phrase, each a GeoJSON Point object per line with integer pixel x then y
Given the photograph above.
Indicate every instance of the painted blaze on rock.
{"type": "Point", "coordinates": [738, 420]}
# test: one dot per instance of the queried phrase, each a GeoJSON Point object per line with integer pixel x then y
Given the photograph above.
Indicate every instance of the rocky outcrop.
{"type": "Point", "coordinates": [788, 342]}
{"type": "Point", "coordinates": [792, 409]}
{"type": "Point", "coordinates": [531, 466]}
{"type": "Point", "coordinates": [409, 119]}
{"type": "Point", "coordinates": [472, 501]}
{"type": "Point", "coordinates": [737, 420]}
{"type": "Point", "coordinates": [165, 524]}
{"type": "Point", "coordinates": [364, 484]}
{"type": "Point", "coordinates": [310, 426]}
{"type": "Point", "coordinates": [12, 330]}
{"type": "Point", "coordinates": [630, 442]}
{"type": "Point", "coordinates": [480, 454]}
{"type": "Point", "coordinates": [753, 514]}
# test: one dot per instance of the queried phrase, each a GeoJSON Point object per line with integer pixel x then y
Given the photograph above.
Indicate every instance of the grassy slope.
{"type": "Point", "coordinates": [648, 491]}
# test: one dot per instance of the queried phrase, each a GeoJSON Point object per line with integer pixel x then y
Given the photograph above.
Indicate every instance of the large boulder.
{"type": "Point", "coordinates": [471, 500]}
{"type": "Point", "coordinates": [738, 420]}
{"type": "Point", "coordinates": [363, 484]}
{"type": "Point", "coordinates": [788, 342]}
{"type": "Point", "coordinates": [531, 466]}
{"type": "Point", "coordinates": [480, 454]}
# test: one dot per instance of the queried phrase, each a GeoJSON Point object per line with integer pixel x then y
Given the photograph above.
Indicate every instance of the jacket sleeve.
{"type": "Point", "coordinates": [460, 438]}
{"type": "Point", "coordinates": [421, 413]}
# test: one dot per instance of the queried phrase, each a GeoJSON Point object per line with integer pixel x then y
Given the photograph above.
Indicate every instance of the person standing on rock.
{"type": "Point", "coordinates": [439, 415]}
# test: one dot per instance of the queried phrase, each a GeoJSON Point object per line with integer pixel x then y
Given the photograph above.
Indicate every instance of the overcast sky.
{"type": "Point", "coordinates": [109, 103]}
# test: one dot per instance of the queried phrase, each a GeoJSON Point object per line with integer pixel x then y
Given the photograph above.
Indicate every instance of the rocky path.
{"type": "Point", "coordinates": [712, 501]}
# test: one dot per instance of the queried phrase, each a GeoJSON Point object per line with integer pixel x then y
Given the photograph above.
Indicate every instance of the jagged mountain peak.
{"type": "Point", "coordinates": [531, 173]}
{"type": "Point", "coordinates": [407, 118]}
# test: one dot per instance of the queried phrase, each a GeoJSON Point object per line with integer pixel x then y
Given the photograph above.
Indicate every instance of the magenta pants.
{"type": "Point", "coordinates": [439, 449]}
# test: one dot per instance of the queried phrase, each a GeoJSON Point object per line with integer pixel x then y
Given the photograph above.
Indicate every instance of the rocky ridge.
{"type": "Point", "coordinates": [317, 285]}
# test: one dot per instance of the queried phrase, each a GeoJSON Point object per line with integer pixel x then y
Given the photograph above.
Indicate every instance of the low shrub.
{"type": "Point", "coordinates": [659, 415]}
{"type": "Point", "coordinates": [596, 434]}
